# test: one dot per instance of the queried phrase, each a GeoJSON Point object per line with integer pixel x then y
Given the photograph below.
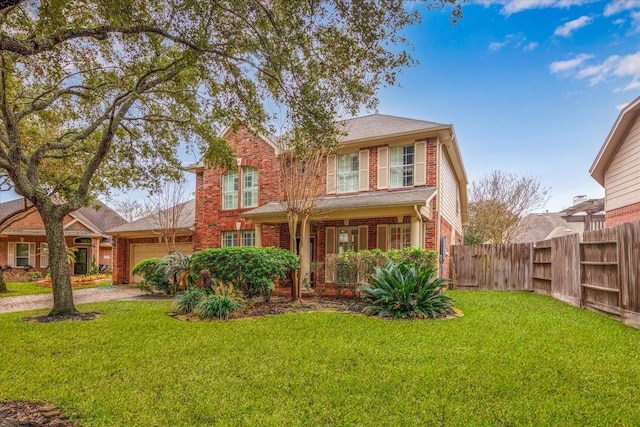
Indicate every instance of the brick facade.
{"type": "Point", "coordinates": [626, 214]}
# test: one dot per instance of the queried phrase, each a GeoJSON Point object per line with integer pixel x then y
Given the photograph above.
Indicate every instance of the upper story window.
{"type": "Point", "coordinates": [249, 187]}
{"type": "Point", "coordinates": [230, 190]}
{"type": "Point", "coordinates": [348, 170]}
{"type": "Point", "coordinates": [401, 161]}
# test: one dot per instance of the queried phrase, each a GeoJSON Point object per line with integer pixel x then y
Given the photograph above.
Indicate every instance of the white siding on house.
{"type": "Point", "coordinates": [449, 194]}
{"type": "Point", "coordinates": [622, 176]}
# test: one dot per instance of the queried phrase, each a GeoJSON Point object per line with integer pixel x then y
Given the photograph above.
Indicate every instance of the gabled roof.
{"type": "Point", "coordinates": [618, 132]}
{"type": "Point", "coordinates": [98, 218]}
{"type": "Point", "coordinates": [147, 224]}
{"type": "Point", "coordinates": [384, 126]}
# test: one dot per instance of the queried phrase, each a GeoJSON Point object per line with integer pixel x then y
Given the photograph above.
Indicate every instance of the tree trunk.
{"type": "Point", "coordinates": [295, 282]}
{"type": "Point", "coordinates": [58, 266]}
{"type": "Point", "coordinates": [3, 284]}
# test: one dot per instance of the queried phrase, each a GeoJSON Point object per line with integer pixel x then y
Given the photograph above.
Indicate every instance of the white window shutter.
{"type": "Point", "coordinates": [331, 174]}
{"type": "Point", "coordinates": [420, 170]}
{"type": "Point", "coordinates": [383, 168]}
{"type": "Point", "coordinates": [32, 254]}
{"type": "Point", "coordinates": [363, 178]}
{"type": "Point", "coordinates": [44, 255]}
{"type": "Point", "coordinates": [11, 254]}
{"type": "Point", "coordinates": [383, 234]}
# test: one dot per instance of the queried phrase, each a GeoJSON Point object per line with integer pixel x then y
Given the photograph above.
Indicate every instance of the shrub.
{"type": "Point", "coordinates": [357, 267]}
{"type": "Point", "coordinates": [250, 269]}
{"type": "Point", "coordinates": [187, 301]}
{"type": "Point", "coordinates": [406, 290]}
{"type": "Point", "coordinates": [152, 276]}
{"type": "Point", "coordinates": [219, 304]}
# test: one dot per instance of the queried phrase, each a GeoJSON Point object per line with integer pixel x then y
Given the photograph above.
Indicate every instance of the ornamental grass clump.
{"type": "Point", "coordinates": [406, 291]}
{"type": "Point", "coordinates": [214, 300]}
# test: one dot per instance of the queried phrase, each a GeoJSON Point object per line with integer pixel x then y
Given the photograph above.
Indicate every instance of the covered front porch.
{"type": "Point", "coordinates": [371, 220]}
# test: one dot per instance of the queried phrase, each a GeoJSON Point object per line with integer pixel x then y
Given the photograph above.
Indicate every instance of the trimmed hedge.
{"type": "Point", "coordinates": [250, 269]}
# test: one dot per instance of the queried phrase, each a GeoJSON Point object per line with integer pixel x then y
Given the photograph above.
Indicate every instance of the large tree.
{"type": "Point", "coordinates": [99, 94]}
{"type": "Point", "coordinates": [497, 202]}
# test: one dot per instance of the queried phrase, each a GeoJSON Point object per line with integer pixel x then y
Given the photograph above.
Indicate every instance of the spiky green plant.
{"type": "Point", "coordinates": [177, 267]}
{"type": "Point", "coordinates": [405, 291]}
{"type": "Point", "coordinates": [223, 301]}
{"type": "Point", "coordinates": [187, 301]}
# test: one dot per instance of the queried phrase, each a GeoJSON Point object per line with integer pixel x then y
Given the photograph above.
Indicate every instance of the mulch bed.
{"type": "Point", "coordinates": [32, 414]}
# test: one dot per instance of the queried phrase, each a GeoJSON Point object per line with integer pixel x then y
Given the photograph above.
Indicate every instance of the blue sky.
{"type": "Point", "coordinates": [531, 86]}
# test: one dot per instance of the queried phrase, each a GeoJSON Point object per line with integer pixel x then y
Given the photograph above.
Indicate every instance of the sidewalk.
{"type": "Point", "coordinates": [81, 296]}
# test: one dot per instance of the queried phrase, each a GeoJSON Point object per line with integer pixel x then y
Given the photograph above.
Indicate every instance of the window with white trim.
{"type": "Point", "coordinates": [249, 187]}
{"type": "Point", "coordinates": [348, 172]}
{"type": "Point", "coordinates": [401, 162]}
{"type": "Point", "coordinates": [230, 190]}
{"type": "Point", "coordinates": [399, 236]}
{"type": "Point", "coordinates": [229, 239]}
{"type": "Point", "coordinates": [248, 238]}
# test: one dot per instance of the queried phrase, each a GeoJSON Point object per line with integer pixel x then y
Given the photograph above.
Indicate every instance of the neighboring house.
{"type": "Point", "coordinates": [393, 183]}
{"type": "Point", "coordinates": [585, 215]}
{"type": "Point", "coordinates": [142, 239]}
{"type": "Point", "coordinates": [23, 238]}
{"type": "Point", "coordinates": [617, 167]}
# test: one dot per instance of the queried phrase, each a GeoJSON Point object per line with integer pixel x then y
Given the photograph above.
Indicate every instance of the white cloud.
{"type": "Point", "coordinates": [570, 64]}
{"type": "Point", "coordinates": [497, 46]}
{"type": "Point", "coordinates": [567, 28]}
{"type": "Point", "coordinates": [615, 66]}
{"type": "Point", "coordinates": [635, 20]}
{"type": "Point", "coordinates": [619, 107]}
{"type": "Point", "coordinates": [510, 7]}
{"type": "Point", "coordinates": [617, 6]}
{"type": "Point", "coordinates": [619, 22]}
{"type": "Point", "coordinates": [515, 41]}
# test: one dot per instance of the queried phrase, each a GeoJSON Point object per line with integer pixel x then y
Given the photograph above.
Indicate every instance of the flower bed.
{"type": "Point", "coordinates": [91, 279]}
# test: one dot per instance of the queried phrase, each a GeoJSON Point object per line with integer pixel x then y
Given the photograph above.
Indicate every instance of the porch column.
{"type": "Point", "coordinates": [305, 254]}
{"type": "Point", "coordinates": [259, 235]}
{"type": "Point", "coordinates": [415, 233]}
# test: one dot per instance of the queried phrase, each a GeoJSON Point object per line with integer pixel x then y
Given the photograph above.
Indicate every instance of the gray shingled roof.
{"type": "Point", "coordinates": [187, 220]}
{"type": "Point", "coordinates": [379, 125]}
{"type": "Point", "coordinates": [100, 217]}
{"type": "Point", "coordinates": [354, 201]}
{"type": "Point", "coordinates": [542, 226]}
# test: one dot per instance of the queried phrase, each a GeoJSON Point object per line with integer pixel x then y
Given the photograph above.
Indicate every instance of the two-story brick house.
{"type": "Point", "coordinates": [393, 183]}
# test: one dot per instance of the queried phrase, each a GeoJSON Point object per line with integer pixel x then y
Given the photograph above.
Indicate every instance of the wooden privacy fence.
{"type": "Point", "coordinates": [599, 269]}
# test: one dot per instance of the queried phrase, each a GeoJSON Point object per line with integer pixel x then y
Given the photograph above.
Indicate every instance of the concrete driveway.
{"type": "Point", "coordinates": [81, 296]}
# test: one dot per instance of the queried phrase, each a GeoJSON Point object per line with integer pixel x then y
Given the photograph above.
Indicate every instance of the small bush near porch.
{"type": "Point", "coordinates": [514, 359]}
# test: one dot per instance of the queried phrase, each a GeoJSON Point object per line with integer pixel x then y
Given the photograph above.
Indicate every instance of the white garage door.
{"type": "Point", "coordinates": [142, 251]}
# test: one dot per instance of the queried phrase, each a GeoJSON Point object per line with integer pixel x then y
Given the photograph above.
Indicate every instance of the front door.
{"type": "Point", "coordinates": [80, 265]}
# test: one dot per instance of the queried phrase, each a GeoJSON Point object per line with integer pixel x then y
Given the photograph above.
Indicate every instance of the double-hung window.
{"type": "Point", "coordinates": [249, 187]}
{"type": "Point", "coordinates": [229, 238]}
{"type": "Point", "coordinates": [348, 171]}
{"type": "Point", "coordinates": [347, 239]}
{"type": "Point", "coordinates": [248, 238]}
{"type": "Point", "coordinates": [401, 162]}
{"type": "Point", "coordinates": [230, 190]}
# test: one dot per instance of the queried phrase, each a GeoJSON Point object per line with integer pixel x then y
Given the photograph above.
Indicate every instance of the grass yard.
{"type": "Point", "coordinates": [31, 288]}
{"type": "Point", "coordinates": [514, 359]}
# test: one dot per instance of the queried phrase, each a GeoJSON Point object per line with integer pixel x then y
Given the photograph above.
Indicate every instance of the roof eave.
{"type": "Point", "coordinates": [615, 137]}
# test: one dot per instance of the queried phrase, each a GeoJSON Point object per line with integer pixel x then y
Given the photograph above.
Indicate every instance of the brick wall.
{"type": "Point", "coordinates": [626, 214]}
{"type": "Point", "coordinates": [211, 219]}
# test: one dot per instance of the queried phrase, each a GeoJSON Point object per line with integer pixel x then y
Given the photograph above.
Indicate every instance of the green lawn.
{"type": "Point", "coordinates": [31, 288]}
{"type": "Point", "coordinates": [514, 359]}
